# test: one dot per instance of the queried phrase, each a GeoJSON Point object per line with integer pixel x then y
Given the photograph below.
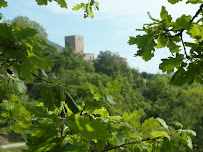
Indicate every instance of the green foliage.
{"type": "Point", "coordinates": [87, 8]}
{"type": "Point", "coordinates": [61, 3]}
{"type": "Point", "coordinates": [88, 129]}
{"type": "Point", "coordinates": [68, 60]}
{"type": "Point", "coordinates": [7, 105]}
{"type": "Point", "coordinates": [25, 22]}
{"type": "Point", "coordinates": [30, 53]}
{"type": "Point", "coordinates": [168, 65]}
{"type": "Point", "coordinates": [3, 4]}
{"type": "Point", "coordinates": [174, 104]}
{"type": "Point", "coordinates": [51, 97]}
{"type": "Point", "coordinates": [58, 47]}
{"type": "Point", "coordinates": [85, 120]}
{"type": "Point", "coordinates": [145, 44]}
{"type": "Point", "coordinates": [112, 64]}
{"type": "Point", "coordinates": [165, 16]}
{"type": "Point", "coordinates": [168, 33]}
{"type": "Point", "coordinates": [71, 103]}
{"type": "Point", "coordinates": [162, 122]}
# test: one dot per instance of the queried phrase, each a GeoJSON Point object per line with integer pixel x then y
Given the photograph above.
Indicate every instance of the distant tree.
{"type": "Point", "coordinates": [112, 64]}
{"type": "Point", "coordinates": [146, 75]}
{"type": "Point", "coordinates": [68, 60]}
{"type": "Point", "coordinates": [58, 123]}
{"type": "Point", "coordinates": [25, 22]}
{"type": "Point", "coordinates": [104, 63]}
{"type": "Point", "coordinates": [182, 104]}
{"type": "Point", "coordinates": [89, 67]}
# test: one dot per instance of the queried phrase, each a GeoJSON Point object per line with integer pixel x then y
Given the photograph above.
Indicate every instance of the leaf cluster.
{"type": "Point", "coordinates": [60, 123]}
{"type": "Point", "coordinates": [186, 61]}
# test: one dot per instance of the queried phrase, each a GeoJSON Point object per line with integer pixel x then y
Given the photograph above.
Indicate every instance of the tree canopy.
{"type": "Point", "coordinates": [81, 117]}
{"type": "Point", "coordinates": [25, 22]}
{"type": "Point", "coordinates": [186, 57]}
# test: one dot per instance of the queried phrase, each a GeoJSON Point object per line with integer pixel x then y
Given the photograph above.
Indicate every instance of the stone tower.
{"type": "Point", "coordinates": [76, 42]}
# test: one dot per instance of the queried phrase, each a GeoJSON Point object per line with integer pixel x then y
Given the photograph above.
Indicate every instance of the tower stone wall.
{"type": "Point", "coordinates": [75, 41]}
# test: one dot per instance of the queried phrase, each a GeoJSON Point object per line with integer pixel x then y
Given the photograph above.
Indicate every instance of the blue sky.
{"type": "Point", "coordinates": [109, 30]}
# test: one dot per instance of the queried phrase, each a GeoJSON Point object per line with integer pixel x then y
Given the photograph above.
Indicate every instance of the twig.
{"type": "Point", "coordinates": [90, 97]}
{"type": "Point", "coordinates": [64, 111]}
{"type": "Point", "coordinates": [95, 92]}
{"type": "Point", "coordinates": [197, 13]}
{"type": "Point", "coordinates": [181, 30]}
{"type": "Point", "coordinates": [136, 142]}
{"type": "Point", "coordinates": [62, 129]}
{"type": "Point", "coordinates": [12, 47]}
{"type": "Point", "coordinates": [6, 46]}
{"type": "Point", "coordinates": [6, 59]}
{"type": "Point", "coordinates": [83, 109]}
{"type": "Point", "coordinates": [50, 82]}
{"type": "Point", "coordinates": [181, 37]}
{"type": "Point", "coordinates": [171, 30]}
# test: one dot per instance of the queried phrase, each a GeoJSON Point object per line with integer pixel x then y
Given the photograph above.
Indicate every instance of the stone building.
{"type": "Point", "coordinates": [77, 42]}
{"type": "Point", "coordinates": [89, 57]}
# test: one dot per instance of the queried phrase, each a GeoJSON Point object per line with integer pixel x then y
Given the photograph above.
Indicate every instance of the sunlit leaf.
{"type": "Point", "coordinates": [162, 42]}
{"type": "Point", "coordinates": [145, 45]}
{"type": "Point", "coordinates": [174, 1]}
{"type": "Point", "coordinates": [165, 16]}
{"type": "Point", "coordinates": [88, 128]}
{"type": "Point", "coordinates": [182, 23]}
{"type": "Point", "coordinates": [103, 112]}
{"type": "Point", "coordinates": [189, 142]}
{"type": "Point", "coordinates": [189, 131]}
{"type": "Point", "coordinates": [162, 122]}
{"type": "Point", "coordinates": [160, 134]}
{"type": "Point", "coordinates": [3, 3]}
{"type": "Point", "coordinates": [168, 65]}
{"type": "Point", "coordinates": [7, 105]}
{"type": "Point", "coordinates": [178, 124]}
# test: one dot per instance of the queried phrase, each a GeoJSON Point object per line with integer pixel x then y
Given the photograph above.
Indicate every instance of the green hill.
{"type": "Point", "coordinates": [58, 47]}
